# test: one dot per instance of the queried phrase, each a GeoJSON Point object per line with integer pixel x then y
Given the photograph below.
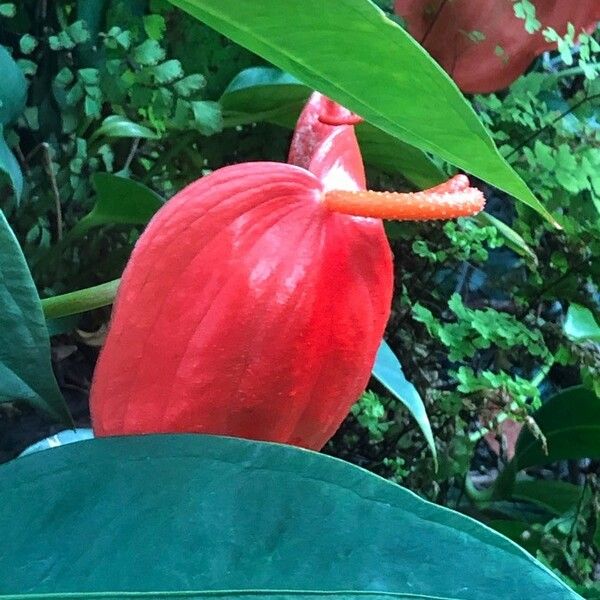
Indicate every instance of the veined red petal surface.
{"type": "Point", "coordinates": [247, 309]}
{"type": "Point", "coordinates": [254, 303]}
{"type": "Point", "coordinates": [476, 65]}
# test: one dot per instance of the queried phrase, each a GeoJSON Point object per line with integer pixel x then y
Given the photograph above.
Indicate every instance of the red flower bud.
{"type": "Point", "coordinates": [253, 305]}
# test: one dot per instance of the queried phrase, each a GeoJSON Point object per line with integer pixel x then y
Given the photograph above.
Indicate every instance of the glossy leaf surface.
{"type": "Point", "coordinates": [351, 52]}
{"type": "Point", "coordinates": [62, 438]}
{"type": "Point", "coordinates": [25, 368]}
{"type": "Point", "coordinates": [197, 514]}
{"type": "Point", "coordinates": [388, 371]}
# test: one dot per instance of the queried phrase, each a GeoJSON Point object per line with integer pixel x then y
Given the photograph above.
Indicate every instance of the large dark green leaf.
{"type": "Point", "coordinates": [203, 514]}
{"type": "Point", "coordinates": [266, 94]}
{"type": "Point", "coordinates": [25, 367]}
{"type": "Point", "coordinates": [388, 371]}
{"type": "Point", "coordinates": [349, 50]}
{"type": "Point", "coordinates": [13, 94]}
{"type": "Point", "coordinates": [557, 497]}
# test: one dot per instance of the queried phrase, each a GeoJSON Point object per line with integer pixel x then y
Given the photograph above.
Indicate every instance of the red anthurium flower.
{"type": "Point", "coordinates": [254, 303]}
{"type": "Point", "coordinates": [450, 30]}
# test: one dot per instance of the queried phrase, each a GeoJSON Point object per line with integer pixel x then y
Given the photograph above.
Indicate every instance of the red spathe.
{"type": "Point", "coordinates": [248, 308]}
{"type": "Point", "coordinates": [442, 26]}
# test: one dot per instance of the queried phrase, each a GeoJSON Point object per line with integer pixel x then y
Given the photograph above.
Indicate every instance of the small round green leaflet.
{"type": "Point", "coordinates": [190, 516]}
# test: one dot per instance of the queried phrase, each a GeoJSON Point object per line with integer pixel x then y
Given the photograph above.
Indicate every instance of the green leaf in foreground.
{"type": "Point", "coordinates": [13, 88]}
{"type": "Point", "coordinates": [197, 515]}
{"type": "Point", "coordinates": [25, 367]}
{"type": "Point", "coordinates": [267, 94]}
{"type": "Point", "coordinates": [388, 371]}
{"type": "Point", "coordinates": [350, 51]}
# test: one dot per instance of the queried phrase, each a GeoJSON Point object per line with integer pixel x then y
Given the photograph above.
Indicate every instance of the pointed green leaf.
{"type": "Point", "coordinates": [511, 238]}
{"type": "Point", "coordinates": [350, 51]}
{"type": "Point", "coordinates": [25, 367]}
{"type": "Point", "coordinates": [210, 517]}
{"type": "Point", "coordinates": [388, 371]}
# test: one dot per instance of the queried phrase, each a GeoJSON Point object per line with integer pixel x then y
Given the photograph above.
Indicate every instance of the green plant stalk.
{"type": "Point", "coordinates": [80, 301]}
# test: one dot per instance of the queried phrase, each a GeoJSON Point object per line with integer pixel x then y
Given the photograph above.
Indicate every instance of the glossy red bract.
{"type": "Point", "coordinates": [253, 305]}
{"type": "Point", "coordinates": [247, 307]}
